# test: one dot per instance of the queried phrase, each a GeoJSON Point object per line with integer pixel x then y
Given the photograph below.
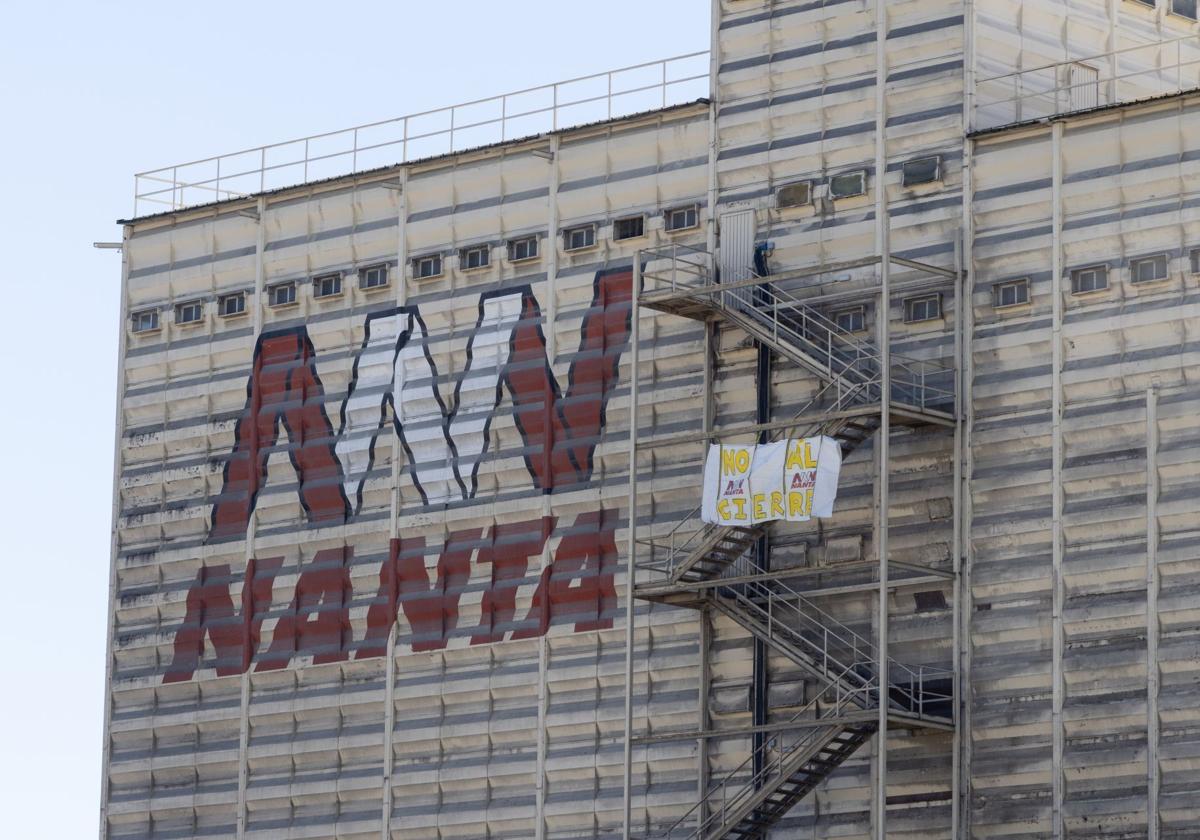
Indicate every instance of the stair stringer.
{"type": "Point", "coordinates": [798, 777]}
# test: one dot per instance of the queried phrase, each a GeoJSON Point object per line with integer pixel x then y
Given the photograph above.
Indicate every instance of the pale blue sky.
{"type": "Point", "coordinates": [90, 93]}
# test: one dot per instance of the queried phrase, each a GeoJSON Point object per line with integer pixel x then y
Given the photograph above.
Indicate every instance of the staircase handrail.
{"type": "Point", "coordinates": [864, 346]}
{"type": "Point", "coordinates": [818, 620]}
{"type": "Point", "coordinates": [700, 269]}
{"type": "Point", "coordinates": [842, 698]}
{"type": "Point", "coordinates": [804, 615]}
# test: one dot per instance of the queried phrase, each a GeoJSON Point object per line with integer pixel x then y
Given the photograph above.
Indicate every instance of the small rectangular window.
{"type": "Point", "coordinates": [929, 601]}
{"type": "Point", "coordinates": [922, 308]}
{"type": "Point", "coordinates": [426, 267]}
{"type": "Point", "coordinates": [522, 248]}
{"type": "Point", "coordinates": [230, 305]}
{"type": "Point", "coordinates": [327, 285]}
{"type": "Point", "coordinates": [798, 194]}
{"type": "Point", "coordinates": [851, 320]}
{"type": "Point", "coordinates": [923, 171]}
{"type": "Point", "coordinates": [477, 256]}
{"type": "Point", "coordinates": [1186, 8]}
{"type": "Point", "coordinates": [630, 228]}
{"type": "Point", "coordinates": [848, 184]}
{"type": "Point", "coordinates": [1196, 261]}
{"type": "Point", "coordinates": [1091, 279]}
{"type": "Point", "coordinates": [681, 218]}
{"type": "Point", "coordinates": [145, 321]}
{"type": "Point", "coordinates": [189, 312]}
{"type": "Point", "coordinates": [373, 277]}
{"type": "Point", "coordinates": [282, 294]}
{"type": "Point", "coordinates": [1010, 293]}
{"type": "Point", "coordinates": [1148, 269]}
{"type": "Point", "coordinates": [577, 238]}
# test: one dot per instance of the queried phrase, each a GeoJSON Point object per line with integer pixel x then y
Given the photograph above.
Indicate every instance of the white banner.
{"type": "Point", "coordinates": [792, 480]}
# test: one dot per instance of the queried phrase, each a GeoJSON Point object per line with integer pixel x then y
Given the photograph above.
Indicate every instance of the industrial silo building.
{"type": "Point", "coordinates": [797, 439]}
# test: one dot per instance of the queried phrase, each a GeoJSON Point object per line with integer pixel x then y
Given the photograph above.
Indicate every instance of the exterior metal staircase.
{"type": "Point", "coordinates": [718, 548]}
{"type": "Point", "coordinates": [841, 718]}
{"type": "Point", "coordinates": [692, 563]}
{"type": "Point", "coordinates": [849, 362]}
{"type": "Point", "coordinates": [827, 649]}
{"type": "Point", "coordinates": [745, 803]}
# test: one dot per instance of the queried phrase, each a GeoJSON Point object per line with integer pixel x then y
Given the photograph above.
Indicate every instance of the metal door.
{"type": "Point", "coordinates": [1084, 84]}
{"type": "Point", "coordinates": [737, 244]}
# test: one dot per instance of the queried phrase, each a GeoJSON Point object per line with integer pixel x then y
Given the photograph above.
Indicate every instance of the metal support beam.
{"type": "Point", "coordinates": [962, 301]}
{"type": "Point", "coordinates": [966, 316]}
{"type": "Point", "coordinates": [389, 689]}
{"type": "Point", "coordinates": [911, 417]}
{"type": "Point", "coordinates": [260, 248]}
{"type": "Point", "coordinates": [1058, 688]}
{"type": "Point", "coordinates": [758, 428]}
{"type": "Point", "coordinates": [709, 411]}
{"type": "Point", "coordinates": [883, 248]}
{"type": "Point", "coordinates": [714, 69]}
{"type": "Point", "coordinates": [551, 250]}
{"type": "Point", "coordinates": [1153, 778]}
{"type": "Point", "coordinates": [862, 716]}
{"type": "Point", "coordinates": [948, 273]}
{"type": "Point", "coordinates": [702, 713]}
{"type": "Point", "coordinates": [631, 549]}
{"type": "Point", "coordinates": [825, 591]}
{"type": "Point", "coordinates": [760, 679]}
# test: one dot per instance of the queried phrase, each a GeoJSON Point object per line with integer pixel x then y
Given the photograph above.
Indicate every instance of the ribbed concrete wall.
{"type": "Point", "coordinates": [797, 88]}
{"type": "Point", "coordinates": [452, 451]}
{"type": "Point", "coordinates": [299, 744]}
{"type": "Point", "coordinates": [1124, 188]}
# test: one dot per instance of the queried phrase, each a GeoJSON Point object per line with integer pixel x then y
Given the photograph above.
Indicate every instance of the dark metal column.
{"type": "Point", "coordinates": [762, 555]}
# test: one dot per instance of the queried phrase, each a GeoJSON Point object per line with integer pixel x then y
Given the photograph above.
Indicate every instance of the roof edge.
{"type": "Point", "coordinates": [377, 173]}
{"type": "Point", "coordinates": [1086, 112]}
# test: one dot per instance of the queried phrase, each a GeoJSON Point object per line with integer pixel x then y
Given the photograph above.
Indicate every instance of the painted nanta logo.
{"type": "Point", "coordinates": [395, 369]}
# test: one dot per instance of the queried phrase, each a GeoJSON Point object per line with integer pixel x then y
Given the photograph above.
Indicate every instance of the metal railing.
{"type": "Point", "coordinates": [851, 684]}
{"type": "Point", "coordinates": [522, 113]}
{"type": "Point", "coordinates": [741, 784]}
{"type": "Point", "coordinates": [800, 330]}
{"type": "Point", "coordinates": [838, 355]}
{"type": "Point", "coordinates": [827, 645]}
{"type": "Point", "coordinates": [1125, 75]}
{"type": "Point", "coordinates": [849, 364]}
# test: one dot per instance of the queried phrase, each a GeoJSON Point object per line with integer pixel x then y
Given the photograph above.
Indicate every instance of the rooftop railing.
{"type": "Point", "coordinates": [482, 122]}
{"type": "Point", "coordinates": [1129, 74]}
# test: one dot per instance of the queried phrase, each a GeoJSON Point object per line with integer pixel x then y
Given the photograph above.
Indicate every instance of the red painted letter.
{"type": "Point", "coordinates": [578, 585]}
{"type": "Point", "coordinates": [210, 612]}
{"type": "Point", "coordinates": [561, 433]}
{"type": "Point", "coordinates": [432, 610]}
{"type": "Point", "coordinates": [283, 387]}
{"type": "Point", "coordinates": [318, 621]}
{"type": "Point", "coordinates": [510, 547]}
